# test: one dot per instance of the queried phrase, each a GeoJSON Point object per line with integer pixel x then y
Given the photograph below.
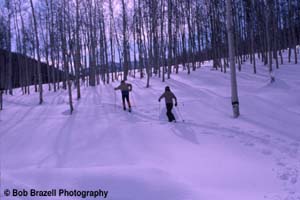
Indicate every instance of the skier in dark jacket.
{"type": "Point", "coordinates": [125, 89]}
{"type": "Point", "coordinates": [169, 96]}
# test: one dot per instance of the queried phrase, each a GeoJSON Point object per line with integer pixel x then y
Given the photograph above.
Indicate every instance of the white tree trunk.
{"type": "Point", "coordinates": [77, 54]}
{"type": "Point", "coordinates": [234, 91]}
{"type": "Point", "coordinates": [38, 54]}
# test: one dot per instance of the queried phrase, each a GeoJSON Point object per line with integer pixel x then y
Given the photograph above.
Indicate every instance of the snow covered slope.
{"type": "Point", "coordinates": [140, 156]}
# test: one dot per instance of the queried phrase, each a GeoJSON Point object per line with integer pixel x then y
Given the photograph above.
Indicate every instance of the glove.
{"type": "Point", "coordinates": [158, 100]}
{"type": "Point", "coordinates": [175, 104]}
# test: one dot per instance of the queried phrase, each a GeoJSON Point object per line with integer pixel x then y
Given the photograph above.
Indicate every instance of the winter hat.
{"type": "Point", "coordinates": [167, 88]}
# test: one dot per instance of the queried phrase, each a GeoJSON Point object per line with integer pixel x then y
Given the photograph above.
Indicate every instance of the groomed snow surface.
{"type": "Point", "coordinates": [141, 156]}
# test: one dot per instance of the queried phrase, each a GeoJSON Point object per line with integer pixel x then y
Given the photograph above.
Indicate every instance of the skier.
{"type": "Point", "coordinates": [169, 96]}
{"type": "Point", "coordinates": [125, 89]}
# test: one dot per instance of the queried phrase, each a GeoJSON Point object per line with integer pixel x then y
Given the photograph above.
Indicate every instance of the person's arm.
{"type": "Point", "coordinates": [130, 87]}
{"type": "Point", "coordinates": [117, 88]}
{"type": "Point", "coordinates": [162, 96]}
{"type": "Point", "coordinates": [175, 99]}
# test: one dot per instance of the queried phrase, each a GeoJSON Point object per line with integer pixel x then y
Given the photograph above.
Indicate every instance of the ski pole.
{"type": "Point", "coordinates": [179, 114]}
{"type": "Point", "coordinates": [133, 101]}
{"type": "Point", "coordinates": [158, 109]}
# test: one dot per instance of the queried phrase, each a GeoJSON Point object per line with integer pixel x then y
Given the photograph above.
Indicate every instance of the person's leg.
{"type": "Point", "coordinates": [169, 113]}
{"type": "Point", "coordinates": [128, 102]}
{"type": "Point", "coordinates": [123, 100]}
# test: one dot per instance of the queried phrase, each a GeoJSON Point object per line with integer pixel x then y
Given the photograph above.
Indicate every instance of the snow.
{"type": "Point", "coordinates": [139, 155]}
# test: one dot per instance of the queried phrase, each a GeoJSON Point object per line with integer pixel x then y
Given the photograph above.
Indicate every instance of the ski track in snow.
{"type": "Point", "coordinates": [102, 142]}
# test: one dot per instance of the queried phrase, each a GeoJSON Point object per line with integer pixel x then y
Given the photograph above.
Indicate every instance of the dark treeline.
{"type": "Point", "coordinates": [145, 37]}
{"type": "Point", "coordinates": [24, 70]}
